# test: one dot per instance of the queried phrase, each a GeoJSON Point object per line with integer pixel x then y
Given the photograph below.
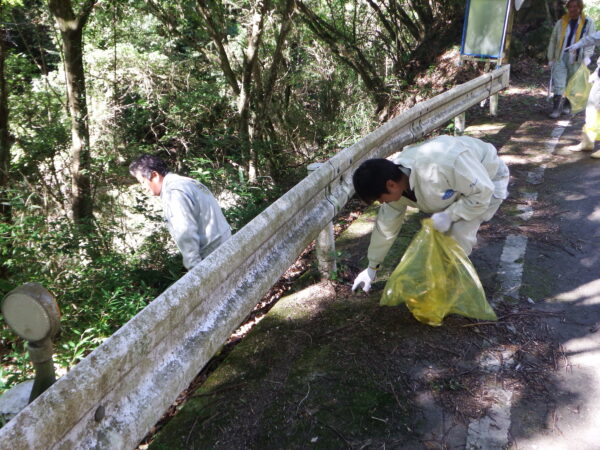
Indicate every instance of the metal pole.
{"type": "Point", "coordinates": [507, 18]}
{"type": "Point", "coordinates": [40, 354]}
{"type": "Point", "coordinates": [325, 247]}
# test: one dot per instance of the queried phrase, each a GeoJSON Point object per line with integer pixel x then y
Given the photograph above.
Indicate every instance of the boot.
{"type": "Point", "coordinates": [586, 144]}
{"type": "Point", "coordinates": [566, 107]}
{"type": "Point", "coordinates": [557, 105]}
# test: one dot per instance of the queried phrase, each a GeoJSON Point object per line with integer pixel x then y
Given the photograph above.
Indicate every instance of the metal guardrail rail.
{"type": "Point", "coordinates": [112, 398]}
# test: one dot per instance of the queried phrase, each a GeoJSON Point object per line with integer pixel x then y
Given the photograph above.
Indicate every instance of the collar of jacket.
{"type": "Point", "coordinates": [166, 179]}
{"type": "Point", "coordinates": [565, 24]}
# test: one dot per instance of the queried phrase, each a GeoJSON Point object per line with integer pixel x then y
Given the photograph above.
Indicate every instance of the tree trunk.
{"type": "Point", "coordinates": [242, 88]}
{"type": "Point", "coordinates": [6, 139]}
{"type": "Point", "coordinates": [220, 40]}
{"type": "Point", "coordinates": [256, 29]}
{"type": "Point", "coordinates": [71, 30]}
{"type": "Point", "coordinates": [284, 29]}
{"type": "Point", "coordinates": [80, 139]}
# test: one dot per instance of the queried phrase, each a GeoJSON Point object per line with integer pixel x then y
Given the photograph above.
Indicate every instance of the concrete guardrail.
{"type": "Point", "coordinates": [112, 398]}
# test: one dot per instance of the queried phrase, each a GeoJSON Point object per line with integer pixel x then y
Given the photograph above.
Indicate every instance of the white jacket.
{"type": "Point", "coordinates": [194, 218]}
{"type": "Point", "coordinates": [556, 47]}
{"type": "Point", "coordinates": [458, 175]}
{"type": "Point", "coordinates": [589, 41]}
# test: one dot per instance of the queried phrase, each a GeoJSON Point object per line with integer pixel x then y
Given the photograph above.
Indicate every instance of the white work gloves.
{"type": "Point", "coordinates": [587, 61]}
{"type": "Point", "coordinates": [575, 46]}
{"type": "Point", "coordinates": [366, 277]}
{"type": "Point", "coordinates": [441, 221]}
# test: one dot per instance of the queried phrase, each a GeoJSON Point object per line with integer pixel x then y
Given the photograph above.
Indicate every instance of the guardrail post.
{"type": "Point", "coordinates": [493, 104]}
{"type": "Point", "coordinates": [325, 247]}
{"type": "Point", "coordinates": [460, 122]}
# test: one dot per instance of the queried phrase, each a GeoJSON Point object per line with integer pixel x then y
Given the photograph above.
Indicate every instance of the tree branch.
{"type": "Point", "coordinates": [219, 40]}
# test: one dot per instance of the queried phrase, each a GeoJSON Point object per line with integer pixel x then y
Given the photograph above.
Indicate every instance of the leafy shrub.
{"type": "Point", "coordinates": [96, 294]}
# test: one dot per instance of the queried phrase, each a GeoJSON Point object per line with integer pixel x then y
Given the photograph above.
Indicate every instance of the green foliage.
{"type": "Point", "coordinates": [38, 119]}
{"type": "Point", "coordinates": [157, 82]}
{"type": "Point", "coordinates": [15, 363]}
{"type": "Point", "coordinates": [96, 296]}
{"type": "Point", "coordinates": [251, 200]}
{"type": "Point", "coordinates": [592, 9]}
{"type": "Point", "coordinates": [208, 173]}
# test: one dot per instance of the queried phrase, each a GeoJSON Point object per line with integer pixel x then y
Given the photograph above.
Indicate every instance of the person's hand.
{"type": "Point", "coordinates": [366, 277]}
{"type": "Point", "coordinates": [441, 221]}
{"type": "Point", "coordinates": [573, 47]}
{"type": "Point", "coordinates": [587, 61]}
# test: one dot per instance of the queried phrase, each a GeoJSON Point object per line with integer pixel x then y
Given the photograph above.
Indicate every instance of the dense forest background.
{"type": "Point", "coordinates": [241, 95]}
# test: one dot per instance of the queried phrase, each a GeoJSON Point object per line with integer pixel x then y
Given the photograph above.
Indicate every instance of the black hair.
{"type": "Point", "coordinates": [371, 177]}
{"type": "Point", "coordinates": [146, 164]}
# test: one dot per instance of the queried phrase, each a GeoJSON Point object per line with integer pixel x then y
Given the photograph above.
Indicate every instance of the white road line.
{"type": "Point", "coordinates": [510, 273]}
{"type": "Point", "coordinates": [527, 209]}
{"type": "Point", "coordinates": [536, 176]}
{"type": "Point", "coordinates": [491, 431]}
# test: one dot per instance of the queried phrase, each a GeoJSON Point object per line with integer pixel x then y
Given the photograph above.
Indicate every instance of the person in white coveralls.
{"type": "Point", "coordinates": [591, 129]}
{"type": "Point", "coordinates": [193, 216]}
{"type": "Point", "coordinates": [460, 180]}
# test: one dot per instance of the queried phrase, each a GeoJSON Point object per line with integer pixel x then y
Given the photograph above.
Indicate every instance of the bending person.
{"type": "Point", "coordinates": [193, 216]}
{"type": "Point", "coordinates": [461, 180]}
{"type": "Point", "coordinates": [571, 28]}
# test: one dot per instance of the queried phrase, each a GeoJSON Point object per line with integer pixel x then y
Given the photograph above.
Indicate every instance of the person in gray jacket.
{"type": "Point", "coordinates": [193, 216]}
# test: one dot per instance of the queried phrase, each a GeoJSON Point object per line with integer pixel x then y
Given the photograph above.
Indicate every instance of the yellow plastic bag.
{"type": "Point", "coordinates": [592, 123]}
{"type": "Point", "coordinates": [578, 89]}
{"type": "Point", "coordinates": [592, 109]}
{"type": "Point", "coordinates": [436, 278]}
